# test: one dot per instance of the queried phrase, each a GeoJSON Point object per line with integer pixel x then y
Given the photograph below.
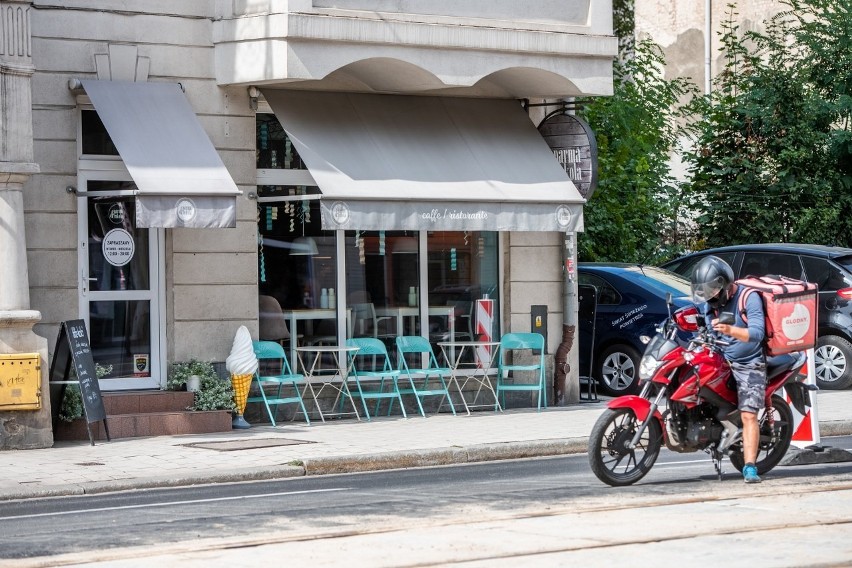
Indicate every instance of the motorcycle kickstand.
{"type": "Point", "coordinates": [717, 456]}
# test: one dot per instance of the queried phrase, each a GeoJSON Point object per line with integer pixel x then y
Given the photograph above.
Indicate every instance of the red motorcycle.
{"type": "Point", "coordinates": [689, 402]}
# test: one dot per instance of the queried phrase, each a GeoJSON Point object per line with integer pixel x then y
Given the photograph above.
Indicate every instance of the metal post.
{"type": "Point", "coordinates": [566, 378]}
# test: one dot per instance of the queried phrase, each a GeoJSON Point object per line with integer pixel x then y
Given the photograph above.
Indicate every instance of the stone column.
{"type": "Point", "coordinates": [19, 429]}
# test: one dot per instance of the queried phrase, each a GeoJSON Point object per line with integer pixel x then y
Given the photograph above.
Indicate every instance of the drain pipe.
{"type": "Point", "coordinates": [708, 29]}
{"type": "Point", "coordinates": [566, 389]}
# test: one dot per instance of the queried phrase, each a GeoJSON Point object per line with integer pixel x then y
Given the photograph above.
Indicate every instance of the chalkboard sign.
{"type": "Point", "coordinates": [73, 348]}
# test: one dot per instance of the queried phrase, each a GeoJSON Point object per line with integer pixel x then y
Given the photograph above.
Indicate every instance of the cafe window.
{"type": "Point", "coordinates": [385, 294]}
{"type": "Point", "coordinates": [94, 139]}
{"type": "Point", "coordinates": [275, 151]}
{"type": "Point", "coordinates": [297, 260]}
{"type": "Point", "coordinates": [383, 288]}
{"type": "Point", "coordinates": [462, 268]}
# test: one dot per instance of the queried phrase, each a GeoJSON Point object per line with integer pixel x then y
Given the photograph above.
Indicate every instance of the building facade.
{"type": "Point", "coordinates": [168, 167]}
{"type": "Point", "coordinates": [689, 32]}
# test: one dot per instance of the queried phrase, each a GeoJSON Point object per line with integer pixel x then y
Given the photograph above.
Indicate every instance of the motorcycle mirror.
{"type": "Point", "coordinates": [726, 318]}
{"type": "Point", "coordinates": [700, 320]}
{"type": "Point", "coordinates": [669, 298]}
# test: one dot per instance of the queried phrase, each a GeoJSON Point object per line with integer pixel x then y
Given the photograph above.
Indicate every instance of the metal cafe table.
{"type": "Point", "coordinates": [335, 377]}
{"type": "Point", "coordinates": [484, 355]}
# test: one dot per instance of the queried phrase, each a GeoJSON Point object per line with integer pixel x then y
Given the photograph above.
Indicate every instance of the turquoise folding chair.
{"type": "Point", "coordinates": [420, 346]}
{"type": "Point", "coordinates": [371, 377]}
{"type": "Point", "coordinates": [272, 351]}
{"type": "Point", "coordinates": [513, 342]}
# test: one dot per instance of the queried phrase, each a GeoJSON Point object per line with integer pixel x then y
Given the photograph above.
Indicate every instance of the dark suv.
{"type": "Point", "coordinates": [829, 267]}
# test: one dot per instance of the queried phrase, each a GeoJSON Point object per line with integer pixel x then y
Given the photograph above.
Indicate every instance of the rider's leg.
{"type": "Point", "coordinates": [751, 436]}
{"type": "Point", "coordinates": [751, 392]}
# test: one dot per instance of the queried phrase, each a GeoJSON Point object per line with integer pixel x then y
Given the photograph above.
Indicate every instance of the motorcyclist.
{"type": "Point", "coordinates": [713, 286]}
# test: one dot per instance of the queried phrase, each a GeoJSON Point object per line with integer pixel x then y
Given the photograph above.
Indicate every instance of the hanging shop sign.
{"type": "Point", "coordinates": [416, 215]}
{"type": "Point", "coordinates": [573, 143]}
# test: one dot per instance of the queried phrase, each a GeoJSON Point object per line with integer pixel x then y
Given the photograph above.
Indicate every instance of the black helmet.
{"type": "Point", "coordinates": [711, 281]}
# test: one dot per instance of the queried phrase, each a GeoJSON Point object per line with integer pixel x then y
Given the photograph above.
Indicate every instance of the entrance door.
{"type": "Point", "coordinates": [119, 291]}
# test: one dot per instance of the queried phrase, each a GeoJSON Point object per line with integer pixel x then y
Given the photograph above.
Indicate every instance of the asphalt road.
{"type": "Point", "coordinates": [41, 532]}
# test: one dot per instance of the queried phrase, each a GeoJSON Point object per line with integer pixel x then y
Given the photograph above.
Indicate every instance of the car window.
{"type": "Point", "coordinates": [825, 274]}
{"type": "Point", "coordinates": [685, 266]}
{"type": "Point", "coordinates": [762, 263]}
{"type": "Point", "coordinates": [606, 293]}
{"type": "Point", "coordinates": [661, 280]}
{"type": "Point", "coordinates": [845, 262]}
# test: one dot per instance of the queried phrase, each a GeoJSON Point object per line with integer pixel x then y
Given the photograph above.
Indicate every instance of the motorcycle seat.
{"type": "Point", "coordinates": [783, 363]}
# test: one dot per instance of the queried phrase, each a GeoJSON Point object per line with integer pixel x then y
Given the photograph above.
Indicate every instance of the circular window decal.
{"type": "Point", "coordinates": [116, 214]}
{"type": "Point", "coordinates": [340, 212]}
{"type": "Point", "coordinates": [118, 247]}
{"type": "Point", "coordinates": [185, 210]}
{"type": "Point", "coordinates": [563, 216]}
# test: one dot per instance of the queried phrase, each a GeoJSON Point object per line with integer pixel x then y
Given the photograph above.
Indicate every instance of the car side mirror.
{"type": "Point", "coordinates": [726, 318]}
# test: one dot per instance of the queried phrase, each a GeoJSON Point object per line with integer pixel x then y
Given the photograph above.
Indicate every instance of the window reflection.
{"type": "Point", "coordinates": [114, 216]}
{"type": "Point", "coordinates": [120, 336]}
{"type": "Point", "coordinates": [297, 258]}
{"type": "Point", "coordinates": [275, 151]}
{"type": "Point", "coordinates": [462, 269]}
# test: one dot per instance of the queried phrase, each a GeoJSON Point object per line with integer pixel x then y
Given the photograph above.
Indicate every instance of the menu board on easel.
{"type": "Point", "coordinates": [73, 348]}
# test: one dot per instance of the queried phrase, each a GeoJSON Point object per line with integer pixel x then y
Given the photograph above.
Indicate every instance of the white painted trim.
{"type": "Point", "coordinates": [156, 268]}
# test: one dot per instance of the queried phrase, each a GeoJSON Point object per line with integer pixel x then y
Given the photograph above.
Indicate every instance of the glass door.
{"type": "Point", "coordinates": [119, 291]}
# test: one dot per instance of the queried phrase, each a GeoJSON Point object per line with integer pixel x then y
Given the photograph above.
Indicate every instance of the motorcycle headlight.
{"type": "Point", "coordinates": [647, 367]}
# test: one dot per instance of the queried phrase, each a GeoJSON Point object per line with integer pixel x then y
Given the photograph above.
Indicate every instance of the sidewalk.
{"type": "Point", "coordinates": [295, 449]}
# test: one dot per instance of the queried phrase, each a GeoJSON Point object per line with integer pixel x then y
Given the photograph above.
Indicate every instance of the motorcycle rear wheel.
{"type": "Point", "coordinates": [612, 461]}
{"type": "Point", "coordinates": [774, 445]}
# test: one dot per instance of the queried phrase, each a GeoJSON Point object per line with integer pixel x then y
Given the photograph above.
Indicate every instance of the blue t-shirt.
{"type": "Point", "coordinates": [742, 351]}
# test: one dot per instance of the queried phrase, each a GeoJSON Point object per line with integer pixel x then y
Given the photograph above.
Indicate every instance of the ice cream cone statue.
{"type": "Point", "coordinates": [242, 364]}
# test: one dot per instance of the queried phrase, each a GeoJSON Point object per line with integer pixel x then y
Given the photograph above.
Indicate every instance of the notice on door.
{"type": "Point", "coordinates": [118, 247]}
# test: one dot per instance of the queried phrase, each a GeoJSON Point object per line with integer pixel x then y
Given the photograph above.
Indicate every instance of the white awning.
{"type": "Point", "coordinates": [180, 178]}
{"type": "Point", "coordinates": [387, 162]}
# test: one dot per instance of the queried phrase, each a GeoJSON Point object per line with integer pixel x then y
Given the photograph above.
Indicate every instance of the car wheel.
{"type": "Point", "coordinates": [618, 370]}
{"type": "Point", "coordinates": [833, 363]}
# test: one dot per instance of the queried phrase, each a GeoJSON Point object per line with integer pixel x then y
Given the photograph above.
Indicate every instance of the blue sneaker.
{"type": "Point", "coordinates": [750, 474]}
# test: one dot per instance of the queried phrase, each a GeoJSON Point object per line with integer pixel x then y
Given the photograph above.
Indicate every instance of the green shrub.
{"type": "Point", "coordinates": [72, 402]}
{"type": "Point", "coordinates": [214, 392]}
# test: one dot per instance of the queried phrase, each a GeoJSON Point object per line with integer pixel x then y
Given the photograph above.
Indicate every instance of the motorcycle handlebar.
{"type": "Point", "coordinates": [706, 338]}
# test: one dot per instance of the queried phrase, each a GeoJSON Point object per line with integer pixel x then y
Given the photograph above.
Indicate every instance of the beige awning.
{"type": "Point", "coordinates": [180, 178]}
{"type": "Point", "coordinates": [387, 162]}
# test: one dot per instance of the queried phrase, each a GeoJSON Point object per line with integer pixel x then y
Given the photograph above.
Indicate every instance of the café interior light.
{"type": "Point", "coordinates": [304, 246]}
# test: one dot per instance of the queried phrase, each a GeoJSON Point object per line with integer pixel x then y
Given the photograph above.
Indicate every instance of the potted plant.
{"type": "Point", "coordinates": [189, 374]}
{"type": "Point", "coordinates": [211, 393]}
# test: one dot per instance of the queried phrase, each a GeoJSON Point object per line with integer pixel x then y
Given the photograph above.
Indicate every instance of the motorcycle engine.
{"type": "Point", "coordinates": [691, 429]}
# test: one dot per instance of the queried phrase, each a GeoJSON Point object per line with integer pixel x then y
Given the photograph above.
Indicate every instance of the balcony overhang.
{"type": "Point", "coordinates": [361, 51]}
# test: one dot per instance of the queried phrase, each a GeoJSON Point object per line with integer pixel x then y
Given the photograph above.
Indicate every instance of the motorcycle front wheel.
{"type": "Point", "coordinates": [610, 456]}
{"type": "Point", "coordinates": [774, 440]}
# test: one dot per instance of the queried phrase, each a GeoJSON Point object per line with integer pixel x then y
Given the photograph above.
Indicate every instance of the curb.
{"type": "Point", "coordinates": [323, 466]}
{"type": "Point", "coordinates": [444, 456]}
{"type": "Point", "coordinates": [835, 428]}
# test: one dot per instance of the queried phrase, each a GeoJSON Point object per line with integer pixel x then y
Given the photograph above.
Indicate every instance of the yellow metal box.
{"type": "Point", "coordinates": [20, 381]}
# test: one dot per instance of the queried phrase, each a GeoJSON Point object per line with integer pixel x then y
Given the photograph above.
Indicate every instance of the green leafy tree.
{"type": "Point", "coordinates": [768, 163]}
{"type": "Point", "coordinates": [637, 129]}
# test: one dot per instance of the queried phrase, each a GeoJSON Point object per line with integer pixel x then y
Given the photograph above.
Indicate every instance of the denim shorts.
{"type": "Point", "coordinates": [751, 385]}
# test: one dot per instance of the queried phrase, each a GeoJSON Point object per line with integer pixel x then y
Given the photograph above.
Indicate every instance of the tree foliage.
{"type": "Point", "coordinates": [637, 128]}
{"type": "Point", "coordinates": [772, 155]}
